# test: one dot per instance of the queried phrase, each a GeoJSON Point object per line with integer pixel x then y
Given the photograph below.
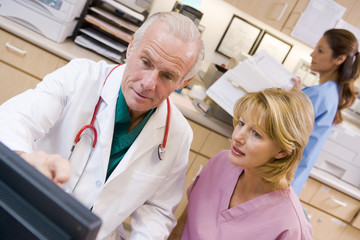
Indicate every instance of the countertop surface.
{"type": "Point", "coordinates": [68, 50]}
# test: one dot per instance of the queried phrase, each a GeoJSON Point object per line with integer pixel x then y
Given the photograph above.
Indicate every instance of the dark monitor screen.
{"type": "Point", "coordinates": [33, 207]}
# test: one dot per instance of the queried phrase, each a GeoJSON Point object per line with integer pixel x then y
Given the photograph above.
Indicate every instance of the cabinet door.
{"type": "Point", "coordinates": [195, 168]}
{"type": "Point", "coordinates": [310, 188]}
{"type": "Point", "coordinates": [199, 136]}
{"type": "Point", "coordinates": [350, 233]}
{"type": "Point", "coordinates": [335, 203]}
{"type": "Point", "coordinates": [26, 56]}
{"type": "Point", "coordinates": [215, 143]}
{"type": "Point", "coordinates": [271, 12]}
{"type": "Point", "coordinates": [294, 16]}
{"type": "Point", "coordinates": [13, 82]}
{"type": "Point", "coordinates": [351, 14]}
{"type": "Point", "coordinates": [353, 17]}
{"type": "Point", "coordinates": [356, 221]}
{"type": "Point", "coordinates": [323, 225]}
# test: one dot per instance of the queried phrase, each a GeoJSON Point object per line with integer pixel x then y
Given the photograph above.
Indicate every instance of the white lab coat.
{"type": "Point", "coordinates": [49, 117]}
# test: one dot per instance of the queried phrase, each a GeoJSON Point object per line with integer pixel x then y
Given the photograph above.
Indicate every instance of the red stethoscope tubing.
{"type": "Point", "coordinates": [167, 124]}
{"type": "Point", "coordinates": [92, 127]}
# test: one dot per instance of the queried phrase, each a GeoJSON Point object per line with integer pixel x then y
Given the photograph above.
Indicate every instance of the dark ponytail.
{"type": "Point", "coordinates": [343, 42]}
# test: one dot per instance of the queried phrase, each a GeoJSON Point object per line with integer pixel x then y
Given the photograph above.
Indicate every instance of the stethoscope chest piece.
{"type": "Point", "coordinates": [161, 152]}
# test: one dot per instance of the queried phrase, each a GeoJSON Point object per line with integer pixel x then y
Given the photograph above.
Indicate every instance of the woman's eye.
{"type": "Point", "coordinates": [256, 134]}
{"type": "Point", "coordinates": [241, 123]}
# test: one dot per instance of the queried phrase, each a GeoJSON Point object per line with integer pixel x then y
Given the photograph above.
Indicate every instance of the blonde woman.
{"type": "Point", "coordinates": [245, 192]}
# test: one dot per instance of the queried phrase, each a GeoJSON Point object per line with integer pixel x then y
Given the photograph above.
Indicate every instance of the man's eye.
{"type": "Point", "coordinates": [146, 62]}
{"type": "Point", "coordinates": [168, 76]}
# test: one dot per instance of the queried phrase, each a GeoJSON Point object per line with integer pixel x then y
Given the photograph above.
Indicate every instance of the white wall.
{"type": "Point", "coordinates": [216, 17]}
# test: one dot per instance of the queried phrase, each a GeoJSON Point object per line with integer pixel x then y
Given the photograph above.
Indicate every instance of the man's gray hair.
{"type": "Point", "coordinates": [180, 26]}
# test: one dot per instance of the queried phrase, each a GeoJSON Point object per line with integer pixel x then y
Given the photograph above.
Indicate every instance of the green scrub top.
{"type": "Point", "coordinates": [122, 139]}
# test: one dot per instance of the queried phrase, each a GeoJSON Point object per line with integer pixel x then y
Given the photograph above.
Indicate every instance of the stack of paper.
{"type": "Point", "coordinates": [90, 44]}
{"type": "Point", "coordinates": [256, 73]}
{"type": "Point", "coordinates": [108, 28]}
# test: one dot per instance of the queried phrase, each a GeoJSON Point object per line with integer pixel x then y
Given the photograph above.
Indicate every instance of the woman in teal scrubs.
{"type": "Point", "coordinates": [336, 59]}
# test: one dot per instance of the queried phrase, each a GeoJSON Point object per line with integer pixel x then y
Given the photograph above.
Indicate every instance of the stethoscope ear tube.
{"type": "Point", "coordinates": [161, 147]}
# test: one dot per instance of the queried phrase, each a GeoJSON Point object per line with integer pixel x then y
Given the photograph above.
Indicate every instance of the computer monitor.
{"type": "Point", "coordinates": [33, 207]}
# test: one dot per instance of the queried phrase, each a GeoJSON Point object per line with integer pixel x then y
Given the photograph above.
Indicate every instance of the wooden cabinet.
{"type": "Point", "coordinates": [27, 57]}
{"type": "Point", "coordinates": [335, 203]}
{"type": "Point", "coordinates": [324, 225]}
{"type": "Point", "coordinates": [350, 233]}
{"type": "Point", "coordinates": [13, 82]}
{"type": "Point", "coordinates": [356, 221]}
{"type": "Point", "coordinates": [205, 145]}
{"type": "Point", "coordinates": [351, 14]}
{"type": "Point", "coordinates": [294, 16]}
{"type": "Point", "coordinates": [284, 14]}
{"type": "Point", "coordinates": [272, 12]}
{"type": "Point", "coordinates": [332, 214]}
{"type": "Point", "coordinates": [23, 65]}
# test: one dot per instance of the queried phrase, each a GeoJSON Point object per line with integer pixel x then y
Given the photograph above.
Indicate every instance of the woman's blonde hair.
{"type": "Point", "coordinates": [287, 118]}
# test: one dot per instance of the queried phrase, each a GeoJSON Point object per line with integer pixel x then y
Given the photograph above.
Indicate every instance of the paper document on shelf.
{"type": "Point", "coordinates": [257, 73]}
{"type": "Point", "coordinates": [224, 93]}
{"type": "Point", "coordinates": [125, 9]}
{"type": "Point", "coordinates": [248, 77]}
{"type": "Point", "coordinates": [345, 25]}
{"type": "Point", "coordinates": [103, 39]}
{"type": "Point", "coordinates": [85, 42]}
{"type": "Point", "coordinates": [115, 19]}
{"type": "Point", "coordinates": [273, 70]}
{"type": "Point", "coordinates": [117, 32]}
{"type": "Point", "coordinates": [319, 16]}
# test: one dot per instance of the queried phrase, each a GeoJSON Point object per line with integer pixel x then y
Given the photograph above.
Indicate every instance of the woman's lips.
{"type": "Point", "coordinates": [237, 151]}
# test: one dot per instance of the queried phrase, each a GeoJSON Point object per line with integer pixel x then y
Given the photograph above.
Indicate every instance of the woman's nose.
{"type": "Point", "coordinates": [312, 54]}
{"type": "Point", "coordinates": [240, 136]}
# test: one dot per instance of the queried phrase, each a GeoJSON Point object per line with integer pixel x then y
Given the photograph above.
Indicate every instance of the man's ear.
{"type": "Point", "coordinates": [183, 84]}
{"type": "Point", "coordinates": [280, 154]}
{"type": "Point", "coordinates": [340, 59]}
{"type": "Point", "coordinates": [129, 47]}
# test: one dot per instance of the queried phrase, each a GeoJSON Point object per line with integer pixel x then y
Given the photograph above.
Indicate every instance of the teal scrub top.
{"type": "Point", "coordinates": [122, 139]}
{"type": "Point", "coordinates": [325, 100]}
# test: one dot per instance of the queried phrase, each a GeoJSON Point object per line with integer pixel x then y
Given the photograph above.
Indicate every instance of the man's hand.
{"type": "Point", "coordinates": [52, 166]}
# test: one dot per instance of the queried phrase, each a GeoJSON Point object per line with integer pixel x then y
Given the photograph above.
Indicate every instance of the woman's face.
{"type": "Point", "coordinates": [322, 60]}
{"type": "Point", "coordinates": [251, 146]}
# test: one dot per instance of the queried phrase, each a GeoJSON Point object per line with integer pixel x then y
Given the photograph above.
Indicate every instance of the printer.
{"type": "Point", "coordinates": [54, 19]}
{"type": "Point", "coordinates": [340, 155]}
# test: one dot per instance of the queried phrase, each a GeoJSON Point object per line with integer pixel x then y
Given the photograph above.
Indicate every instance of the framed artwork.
{"type": "Point", "coordinates": [240, 36]}
{"type": "Point", "coordinates": [274, 46]}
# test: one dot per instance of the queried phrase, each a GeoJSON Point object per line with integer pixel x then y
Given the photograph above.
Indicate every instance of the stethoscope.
{"type": "Point", "coordinates": [161, 147]}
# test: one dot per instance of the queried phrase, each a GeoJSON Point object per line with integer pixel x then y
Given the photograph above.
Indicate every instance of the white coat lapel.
{"type": "Point", "coordinates": [106, 115]}
{"type": "Point", "coordinates": [148, 140]}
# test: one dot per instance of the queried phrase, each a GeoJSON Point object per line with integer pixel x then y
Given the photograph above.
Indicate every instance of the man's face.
{"type": "Point", "coordinates": [155, 68]}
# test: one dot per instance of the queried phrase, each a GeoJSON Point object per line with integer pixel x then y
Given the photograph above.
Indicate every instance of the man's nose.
{"type": "Point", "coordinates": [150, 81]}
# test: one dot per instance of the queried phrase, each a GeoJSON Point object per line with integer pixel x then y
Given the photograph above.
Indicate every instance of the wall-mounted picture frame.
{"type": "Point", "coordinates": [274, 46]}
{"type": "Point", "coordinates": [240, 37]}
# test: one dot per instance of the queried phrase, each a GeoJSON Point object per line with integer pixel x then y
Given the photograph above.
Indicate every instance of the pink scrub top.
{"type": "Point", "coordinates": [275, 215]}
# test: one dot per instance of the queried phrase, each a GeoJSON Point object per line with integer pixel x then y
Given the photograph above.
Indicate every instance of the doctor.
{"type": "Point", "coordinates": [123, 175]}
